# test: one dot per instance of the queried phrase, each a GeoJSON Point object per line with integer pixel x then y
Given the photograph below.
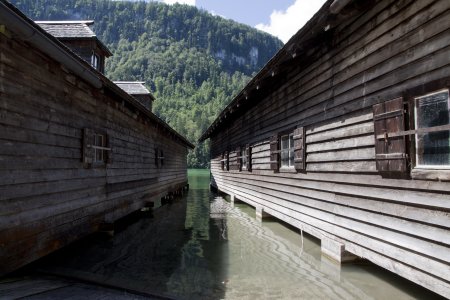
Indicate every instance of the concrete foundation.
{"type": "Point", "coordinates": [261, 214]}
{"type": "Point", "coordinates": [336, 251]}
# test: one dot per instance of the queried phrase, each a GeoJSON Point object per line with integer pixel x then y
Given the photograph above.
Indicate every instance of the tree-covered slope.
{"type": "Point", "coordinates": [193, 62]}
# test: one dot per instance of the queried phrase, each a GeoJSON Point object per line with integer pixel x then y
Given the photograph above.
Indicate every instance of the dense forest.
{"type": "Point", "coordinates": [192, 61]}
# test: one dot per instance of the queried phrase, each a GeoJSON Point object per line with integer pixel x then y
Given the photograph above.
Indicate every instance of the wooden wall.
{"type": "Point", "coordinates": [375, 56]}
{"type": "Point", "coordinates": [47, 198]}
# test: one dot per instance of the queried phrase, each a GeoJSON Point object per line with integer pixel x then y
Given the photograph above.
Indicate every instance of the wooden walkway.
{"type": "Point", "coordinates": [53, 287]}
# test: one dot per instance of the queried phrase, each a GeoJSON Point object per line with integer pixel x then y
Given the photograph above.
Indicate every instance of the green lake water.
{"type": "Point", "coordinates": [201, 247]}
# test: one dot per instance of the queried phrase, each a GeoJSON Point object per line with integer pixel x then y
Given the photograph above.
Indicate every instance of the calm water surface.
{"type": "Point", "coordinates": [200, 247]}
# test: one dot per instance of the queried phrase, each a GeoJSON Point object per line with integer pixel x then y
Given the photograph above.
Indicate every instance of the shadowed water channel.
{"type": "Point", "coordinates": [200, 247]}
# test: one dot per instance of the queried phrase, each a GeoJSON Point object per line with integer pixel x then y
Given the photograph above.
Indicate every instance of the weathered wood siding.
{"type": "Point", "coordinates": [401, 225]}
{"type": "Point", "coordinates": [47, 198]}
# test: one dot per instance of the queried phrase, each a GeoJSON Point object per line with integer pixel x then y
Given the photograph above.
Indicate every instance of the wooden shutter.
{"type": "Point", "coordinates": [227, 160]}
{"type": "Point", "coordinates": [299, 148]}
{"type": "Point", "coordinates": [239, 159]}
{"type": "Point", "coordinates": [109, 154]}
{"type": "Point", "coordinates": [390, 153]}
{"type": "Point", "coordinates": [88, 151]}
{"type": "Point", "coordinates": [222, 162]}
{"type": "Point", "coordinates": [248, 154]}
{"type": "Point", "coordinates": [274, 153]}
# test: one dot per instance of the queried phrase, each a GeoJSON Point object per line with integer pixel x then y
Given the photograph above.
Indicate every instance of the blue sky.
{"type": "Point", "coordinates": [282, 18]}
{"type": "Point", "coordinates": [251, 12]}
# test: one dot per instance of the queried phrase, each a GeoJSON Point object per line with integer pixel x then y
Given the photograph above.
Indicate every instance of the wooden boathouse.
{"type": "Point", "coordinates": [344, 134]}
{"type": "Point", "coordinates": [77, 152]}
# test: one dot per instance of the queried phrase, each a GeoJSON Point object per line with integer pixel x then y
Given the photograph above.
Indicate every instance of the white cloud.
{"type": "Point", "coordinates": [284, 24]}
{"type": "Point", "coordinates": [216, 14]}
{"type": "Point", "coordinates": [189, 2]}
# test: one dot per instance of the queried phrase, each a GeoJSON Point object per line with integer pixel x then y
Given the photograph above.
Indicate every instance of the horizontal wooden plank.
{"type": "Point", "coordinates": [343, 167]}
{"type": "Point", "coordinates": [365, 154]}
{"type": "Point", "coordinates": [419, 214]}
{"type": "Point", "coordinates": [346, 132]}
{"type": "Point", "coordinates": [350, 185]}
{"type": "Point", "coordinates": [353, 142]}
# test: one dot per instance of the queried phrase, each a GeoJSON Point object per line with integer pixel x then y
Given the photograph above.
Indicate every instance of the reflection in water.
{"type": "Point", "coordinates": [265, 265]}
{"type": "Point", "coordinates": [200, 247]}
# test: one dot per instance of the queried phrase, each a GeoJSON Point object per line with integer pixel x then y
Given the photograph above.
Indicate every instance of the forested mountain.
{"type": "Point", "coordinates": [192, 61]}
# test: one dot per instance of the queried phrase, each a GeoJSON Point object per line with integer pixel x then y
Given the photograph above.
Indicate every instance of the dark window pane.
{"type": "Point", "coordinates": [291, 150]}
{"type": "Point", "coordinates": [244, 159]}
{"type": "Point", "coordinates": [285, 151]}
{"type": "Point", "coordinates": [98, 155]}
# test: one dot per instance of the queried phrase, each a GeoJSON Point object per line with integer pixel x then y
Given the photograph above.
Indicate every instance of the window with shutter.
{"type": "Point", "coordinates": [274, 153]}
{"type": "Point", "coordinates": [96, 148]}
{"type": "Point", "coordinates": [300, 149]}
{"type": "Point", "coordinates": [390, 151]}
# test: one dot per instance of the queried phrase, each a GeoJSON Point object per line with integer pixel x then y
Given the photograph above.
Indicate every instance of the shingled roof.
{"type": "Point", "coordinates": [133, 87]}
{"type": "Point", "coordinates": [71, 30]}
{"type": "Point", "coordinates": [68, 29]}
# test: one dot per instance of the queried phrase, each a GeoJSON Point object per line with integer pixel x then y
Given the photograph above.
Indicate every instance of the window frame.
{"type": "Point", "coordinates": [95, 61]}
{"type": "Point", "coordinates": [225, 161]}
{"type": "Point", "coordinates": [291, 158]}
{"type": "Point", "coordinates": [426, 173]}
{"type": "Point", "coordinates": [243, 158]}
{"type": "Point", "coordinates": [91, 148]}
{"type": "Point", "coordinates": [406, 114]}
{"type": "Point", "coordinates": [414, 138]}
{"type": "Point", "coordinates": [99, 148]}
{"type": "Point", "coordinates": [159, 157]}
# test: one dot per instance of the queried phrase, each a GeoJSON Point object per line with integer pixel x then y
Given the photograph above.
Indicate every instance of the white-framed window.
{"type": "Point", "coordinates": [432, 147]}
{"type": "Point", "coordinates": [159, 157]}
{"type": "Point", "coordinates": [96, 148]}
{"type": "Point", "coordinates": [287, 150]}
{"type": "Point", "coordinates": [95, 61]}
{"type": "Point", "coordinates": [244, 158]}
{"type": "Point", "coordinates": [99, 147]}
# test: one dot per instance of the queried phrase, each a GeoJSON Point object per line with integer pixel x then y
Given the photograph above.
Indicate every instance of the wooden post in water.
{"type": "Point", "coordinates": [261, 214]}
{"type": "Point", "coordinates": [336, 251]}
{"type": "Point", "coordinates": [232, 200]}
